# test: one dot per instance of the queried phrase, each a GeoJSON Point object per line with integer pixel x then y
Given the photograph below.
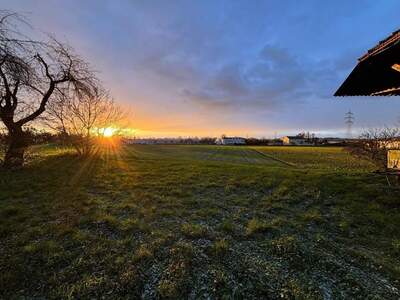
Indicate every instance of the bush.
{"type": "Point", "coordinates": [374, 144]}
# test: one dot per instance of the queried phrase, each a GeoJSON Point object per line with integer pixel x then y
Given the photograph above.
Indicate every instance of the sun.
{"type": "Point", "coordinates": [108, 132]}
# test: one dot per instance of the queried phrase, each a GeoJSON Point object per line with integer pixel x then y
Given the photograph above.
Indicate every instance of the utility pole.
{"type": "Point", "coordinates": [349, 120]}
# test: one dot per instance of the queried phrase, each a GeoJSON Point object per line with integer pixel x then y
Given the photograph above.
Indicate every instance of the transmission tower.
{"type": "Point", "coordinates": [349, 120]}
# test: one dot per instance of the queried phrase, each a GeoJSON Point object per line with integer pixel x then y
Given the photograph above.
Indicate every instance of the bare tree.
{"type": "Point", "coordinates": [82, 118]}
{"type": "Point", "coordinates": [3, 141]}
{"type": "Point", "coordinates": [374, 144]}
{"type": "Point", "coordinates": [31, 74]}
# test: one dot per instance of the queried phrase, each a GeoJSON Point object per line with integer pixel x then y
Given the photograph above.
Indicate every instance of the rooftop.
{"type": "Point", "coordinates": [377, 72]}
{"type": "Point", "coordinates": [232, 137]}
{"type": "Point", "coordinates": [299, 137]}
{"type": "Point", "coordinates": [382, 45]}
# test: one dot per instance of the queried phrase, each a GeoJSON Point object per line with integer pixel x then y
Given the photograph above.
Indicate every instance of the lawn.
{"type": "Point", "coordinates": [151, 221]}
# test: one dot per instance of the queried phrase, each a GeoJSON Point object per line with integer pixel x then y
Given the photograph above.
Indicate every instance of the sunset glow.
{"type": "Point", "coordinates": [109, 131]}
{"type": "Point", "coordinates": [257, 84]}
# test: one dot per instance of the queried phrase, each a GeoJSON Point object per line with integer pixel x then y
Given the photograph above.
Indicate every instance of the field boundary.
{"type": "Point", "coordinates": [274, 158]}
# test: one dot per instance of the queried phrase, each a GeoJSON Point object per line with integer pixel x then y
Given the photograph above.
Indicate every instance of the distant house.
{"type": "Point", "coordinates": [332, 141]}
{"type": "Point", "coordinates": [298, 140]}
{"type": "Point", "coordinates": [231, 141]}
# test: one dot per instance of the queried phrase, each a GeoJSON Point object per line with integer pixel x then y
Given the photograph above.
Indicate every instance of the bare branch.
{"type": "Point", "coordinates": [33, 73]}
{"type": "Point", "coordinates": [45, 65]}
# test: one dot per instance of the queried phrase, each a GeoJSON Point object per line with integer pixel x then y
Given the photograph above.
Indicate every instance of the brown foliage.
{"type": "Point", "coordinates": [81, 118]}
{"type": "Point", "coordinates": [374, 144]}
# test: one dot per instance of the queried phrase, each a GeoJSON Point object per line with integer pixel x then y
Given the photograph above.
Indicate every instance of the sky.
{"type": "Point", "coordinates": [206, 68]}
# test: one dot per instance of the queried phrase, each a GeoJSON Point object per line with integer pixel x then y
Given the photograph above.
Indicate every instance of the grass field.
{"type": "Point", "coordinates": [199, 222]}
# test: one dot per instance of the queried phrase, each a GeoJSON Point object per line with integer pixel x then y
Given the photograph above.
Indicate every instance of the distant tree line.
{"type": "Point", "coordinates": [175, 141]}
{"type": "Point", "coordinates": [263, 142]}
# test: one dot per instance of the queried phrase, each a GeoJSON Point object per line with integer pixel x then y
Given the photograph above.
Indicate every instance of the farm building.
{"type": "Point", "coordinates": [297, 140]}
{"type": "Point", "coordinates": [377, 72]}
{"type": "Point", "coordinates": [231, 141]}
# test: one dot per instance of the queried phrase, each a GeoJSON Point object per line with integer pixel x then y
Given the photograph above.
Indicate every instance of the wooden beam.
{"type": "Point", "coordinates": [388, 92]}
{"type": "Point", "coordinates": [396, 67]}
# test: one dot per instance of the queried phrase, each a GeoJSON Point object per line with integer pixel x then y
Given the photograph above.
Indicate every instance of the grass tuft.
{"type": "Point", "coordinates": [220, 247]}
{"type": "Point", "coordinates": [287, 245]}
{"type": "Point", "coordinates": [396, 246]}
{"type": "Point", "coordinates": [256, 226]}
{"type": "Point", "coordinates": [143, 253]}
{"type": "Point", "coordinates": [314, 216]}
{"type": "Point", "coordinates": [228, 226]}
{"type": "Point", "coordinates": [194, 230]}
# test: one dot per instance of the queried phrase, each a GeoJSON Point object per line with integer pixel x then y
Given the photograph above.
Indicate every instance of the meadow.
{"type": "Point", "coordinates": [198, 222]}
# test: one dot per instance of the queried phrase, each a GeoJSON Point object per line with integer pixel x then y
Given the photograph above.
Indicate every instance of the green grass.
{"type": "Point", "coordinates": [198, 221]}
{"type": "Point", "coordinates": [332, 158]}
{"type": "Point", "coordinates": [256, 226]}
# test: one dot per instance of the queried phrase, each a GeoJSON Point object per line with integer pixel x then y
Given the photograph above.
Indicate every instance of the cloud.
{"type": "Point", "coordinates": [179, 61]}
{"type": "Point", "coordinates": [272, 79]}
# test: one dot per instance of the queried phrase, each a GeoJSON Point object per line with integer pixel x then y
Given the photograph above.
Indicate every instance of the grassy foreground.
{"type": "Point", "coordinates": [199, 222]}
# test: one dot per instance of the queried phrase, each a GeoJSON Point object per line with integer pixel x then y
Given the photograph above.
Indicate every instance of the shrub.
{"type": "Point", "coordinates": [374, 144]}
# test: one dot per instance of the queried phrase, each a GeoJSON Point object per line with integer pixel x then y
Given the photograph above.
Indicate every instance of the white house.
{"type": "Point", "coordinates": [231, 141]}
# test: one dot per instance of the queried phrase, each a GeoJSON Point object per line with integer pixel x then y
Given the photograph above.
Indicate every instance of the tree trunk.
{"type": "Point", "coordinates": [17, 146]}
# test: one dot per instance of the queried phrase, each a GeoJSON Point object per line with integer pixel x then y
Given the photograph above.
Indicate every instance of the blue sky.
{"type": "Point", "coordinates": [236, 67]}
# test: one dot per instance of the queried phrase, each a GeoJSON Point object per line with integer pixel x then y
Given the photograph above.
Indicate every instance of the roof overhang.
{"type": "Point", "coordinates": [377, 72]}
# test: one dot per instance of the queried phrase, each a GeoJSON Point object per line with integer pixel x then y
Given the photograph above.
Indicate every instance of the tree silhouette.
{"type": "Point", "coordinates": [32, 72]}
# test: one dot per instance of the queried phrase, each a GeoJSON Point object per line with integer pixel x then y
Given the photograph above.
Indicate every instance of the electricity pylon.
{"type": "Point", "coordinates": [349, 120]}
